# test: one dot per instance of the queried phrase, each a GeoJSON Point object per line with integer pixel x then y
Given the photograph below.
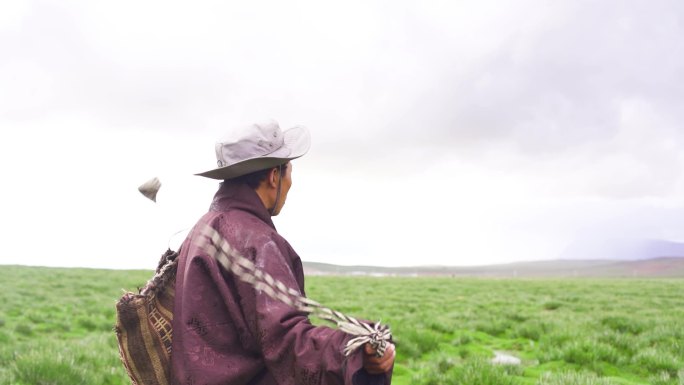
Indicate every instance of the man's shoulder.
{"type": "Point", "coordinates": [243, 227]}
{"type": "Point", "coordinates": [241, 218]}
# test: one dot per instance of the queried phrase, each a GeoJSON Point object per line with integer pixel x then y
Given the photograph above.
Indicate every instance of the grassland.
{"type": "Point", "coordinates": [56, 327]}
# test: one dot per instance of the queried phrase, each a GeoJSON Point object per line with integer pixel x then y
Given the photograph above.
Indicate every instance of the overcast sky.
{"type": "Point", "coordinates": [443, 132]}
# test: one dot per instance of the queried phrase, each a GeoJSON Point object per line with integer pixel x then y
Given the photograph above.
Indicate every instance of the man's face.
{"type": "Point", "coordinates": [285, 186]}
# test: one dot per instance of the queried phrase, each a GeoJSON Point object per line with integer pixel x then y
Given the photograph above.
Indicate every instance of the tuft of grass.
{"type": "Point", "coordinates": [40, 367]}
{"type": "Point", "coordinates": [493, 326]}
{"type": "Point", "coordinates": [532, 329]}
{"type": "Point", "coordinates": [87, 324]}
{"type": "Point", "coordinates": [476, 372]}
{"type": "Point", "coordinates": [654, 361]}
{"type": "Point", "coordinates": [24, 330]}
{"type": "Point", "coordinates": [552, 305]}
{"type": "Point", "coordinates": [573, 378]}
{"type": "Point", "coordinates": [416, 343]}
{"type": "Point", "coordinates": [623, 324]}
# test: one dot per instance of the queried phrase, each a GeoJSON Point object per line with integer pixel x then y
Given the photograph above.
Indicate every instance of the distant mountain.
{"type": "Point", "coordinates": [663, 267]}
{"type": "Point", "coordinates": [622, 249]}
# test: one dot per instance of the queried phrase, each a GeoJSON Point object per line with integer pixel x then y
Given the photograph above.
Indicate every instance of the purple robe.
{"type": "Point", "coordinates": [226, 332]}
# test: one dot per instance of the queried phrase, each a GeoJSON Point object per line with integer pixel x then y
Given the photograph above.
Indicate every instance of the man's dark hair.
{"type": "Point", "coordinates": [253, 179]}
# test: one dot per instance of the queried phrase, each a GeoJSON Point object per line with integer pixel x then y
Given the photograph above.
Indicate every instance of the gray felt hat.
{"type": "Point", "coordinates": [256, 147]}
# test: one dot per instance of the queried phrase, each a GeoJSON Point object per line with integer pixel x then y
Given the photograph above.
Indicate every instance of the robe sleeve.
{"type": "Point", "coordinates": [295, 351]}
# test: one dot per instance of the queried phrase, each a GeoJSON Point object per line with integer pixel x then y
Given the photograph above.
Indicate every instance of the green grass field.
{"type": "Point", "coordinates": [56, 327]}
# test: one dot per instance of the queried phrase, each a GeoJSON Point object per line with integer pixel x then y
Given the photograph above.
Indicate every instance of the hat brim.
{"type": "Point", "coordinates": [296, 142]}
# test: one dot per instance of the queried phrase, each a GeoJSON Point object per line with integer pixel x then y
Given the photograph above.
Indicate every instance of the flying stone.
{"type": "Point", "coordinates": [150, 188]}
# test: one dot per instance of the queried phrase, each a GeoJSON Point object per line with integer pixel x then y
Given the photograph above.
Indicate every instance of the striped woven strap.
{"type": "Point", "coordinates": [377, 335]}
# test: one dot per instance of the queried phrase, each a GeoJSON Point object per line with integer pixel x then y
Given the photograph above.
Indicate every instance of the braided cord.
{"type": "Point", "coordinates": [378, 335]}
{"type": "Point", "coordinates": [162, 275]}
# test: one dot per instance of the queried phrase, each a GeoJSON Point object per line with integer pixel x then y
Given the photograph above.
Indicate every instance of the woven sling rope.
{"type": "Point", "coordinates": [378, 335]}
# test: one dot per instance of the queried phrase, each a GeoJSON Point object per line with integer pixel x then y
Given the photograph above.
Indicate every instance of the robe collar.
{"type": "Point", "coordinates": [239, 196]}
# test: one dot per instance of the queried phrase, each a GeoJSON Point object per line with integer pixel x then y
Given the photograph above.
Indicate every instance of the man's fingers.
{"type": "Point", "coordinates": [381, 366]}
{"type": "Point", "coordinates": [389, 354]}
{"type": "Point", "coordinates": [378, 365]}
{"type": "Point", "coordinates": [370, 351]}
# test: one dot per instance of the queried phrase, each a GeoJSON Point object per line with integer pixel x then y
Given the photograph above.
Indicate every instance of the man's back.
{"type": "Point", "coordinates": [225, 331]}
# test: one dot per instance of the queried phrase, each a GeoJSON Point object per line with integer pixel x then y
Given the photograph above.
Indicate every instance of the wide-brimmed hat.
{"type": "Point", "coordinates": [256, 147]}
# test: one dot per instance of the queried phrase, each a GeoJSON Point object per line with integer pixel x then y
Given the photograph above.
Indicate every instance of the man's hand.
{"type": "Point", "coordinates": [378, 365]}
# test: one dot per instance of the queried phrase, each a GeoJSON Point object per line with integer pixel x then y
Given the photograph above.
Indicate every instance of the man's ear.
{"type": "Point", "coordinates": [273, 177]}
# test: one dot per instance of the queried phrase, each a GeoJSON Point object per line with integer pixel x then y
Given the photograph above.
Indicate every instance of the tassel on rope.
{"type": "Point", "coordinates": [378, 335]}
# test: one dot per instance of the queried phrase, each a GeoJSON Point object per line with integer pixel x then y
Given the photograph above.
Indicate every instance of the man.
{"type": "Point", "coordinates": [227, 332]}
